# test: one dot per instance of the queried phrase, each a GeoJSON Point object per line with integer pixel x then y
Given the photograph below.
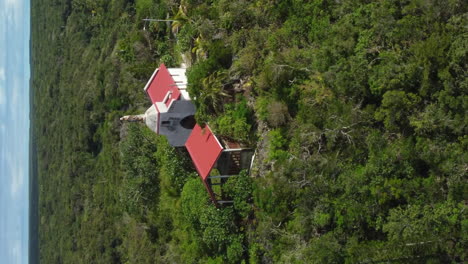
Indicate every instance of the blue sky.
{"type": "Point", "coordinates": [14, 130]}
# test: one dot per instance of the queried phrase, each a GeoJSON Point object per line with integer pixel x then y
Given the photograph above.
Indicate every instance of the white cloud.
{"type": "Point", "coordinates": [13, 157]}
{"type": "Point", "coordinates": [14, 105]}
{"type": "Point", "coordinates": [15, 251]}
{"type": "Point", "coordinates": [17, 181]}
{"type": "Point", "coordinates": [2, 134]}
{"type": "Point", "coordinates": [15, 94]}
{"type": "Point", "coordinates": [2, 94]}
{"type": "Point", "coordinates": [2, 86]}
{"type": "Point", "coordinates": [14, 4]}
{"type": "Point", "coordinates": [14, 12]}
{"type": "Point", "coordinates": [17, 165]}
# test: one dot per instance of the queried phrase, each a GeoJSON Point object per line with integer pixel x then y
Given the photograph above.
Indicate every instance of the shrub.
{"type": "Point", "coordinates": [239, 188]}
{"type": "Point", "coordinates": [143, 8]}
{"type": "Point", "coordinates": [277, 145]}
{"type": "Point", "coordinates": [217, 227]}
{"type": "Point", "coordinates": [235, 250]}
{"type": "Point", "coordinates": [235, 121]}
{"type": "Point", "coordinates": [141, 183]}
{"type": "Point", "coordinates": [396, 108]}
{"type": "Point", "coordinates": [186, 36]}
{"type": "Point", "coordinates": [272, 111]}
{"type": "Point", "coordinates": [194, 200]}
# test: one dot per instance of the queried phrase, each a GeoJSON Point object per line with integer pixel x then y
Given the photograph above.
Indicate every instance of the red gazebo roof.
{"type": "Point", "coordinates": [160, 84]}
{"type": "Point", "coordinates": [204, 149]}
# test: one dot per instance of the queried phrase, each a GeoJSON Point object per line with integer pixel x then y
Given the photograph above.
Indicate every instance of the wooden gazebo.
{"type": "Point", "coordinates": [209, 153]}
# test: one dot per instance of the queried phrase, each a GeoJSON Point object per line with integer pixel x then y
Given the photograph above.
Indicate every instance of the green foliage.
{"type": "Point", "coordinates": [325, 249]}
{"type": "Point", "coordinates": [235, 251]}
{"type": "Point", "coordinates": [240, 189]}
{"type": "Point", "coordinates": [149, 8]}
{"type": "Point", "coordinates": [427, 228]}
{"type": "Point", "coordinates": [126, 51]}
{"type": "Point", "coordinates": [175, 168]}
{"type": "Point", "coordinates": [138, 246]}
{"type": "Point", "coordinates": [214, 227]}
{"type": "Point", "coordinates": [195, 75]}
{"type": "Point", "coordinates": [141, 183]}
{"type": "Point", "coordinates": [193, 200]}
{"type": "Point", "coordinates": [396, 107]}
{"type": "Point", "coordinates": [272, 111]}
{"type": "Point", "coordinates": [277, 145]}
{"type": "Point", "coordinates": [234, 122]}
{"type": "Point", "coordinates": [362, 159]}
{"type": "Point", "coordinates": [186, 36]}
{"type": "Point", "coordinates": [207, 84]}
{"type": "Point", "coordinates": [261, 107]}
{"type": "Point", "coordinates": [253, 253]}
{"type": "Point", "coordinates": [217, 227]}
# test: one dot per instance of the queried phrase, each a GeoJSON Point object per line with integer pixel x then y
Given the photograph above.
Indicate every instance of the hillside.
{"type": "Point", "coordinates": [357, 110]}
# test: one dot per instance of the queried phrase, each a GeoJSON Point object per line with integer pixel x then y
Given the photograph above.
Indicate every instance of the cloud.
{"type": "Point", "coordinates": [17, 180]}
{"type": "Point", "coordinates": [13, 12]}
{"type": "Point", "coordinates": [15, 248]}
{"type": "Point", "coordinates": [2, 86]}
{"type": "Point", "coordinates": [2, 94]}
{"type": "Point", "coordinates": [14, 4]}
{"type": "Point", "coordinates": [15, 92]}
{"type": "Point", "coordinates": [15, 251]}
{"type": "Point", "coordinates": [14, 129]}
{"type": "Point", "coordinates": [14, 101]}
{"type": "Point", "coordinates": [14, 132]}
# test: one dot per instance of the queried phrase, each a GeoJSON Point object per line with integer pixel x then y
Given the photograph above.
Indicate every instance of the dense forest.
{"type": "Point", "coordinates": [357, 110]}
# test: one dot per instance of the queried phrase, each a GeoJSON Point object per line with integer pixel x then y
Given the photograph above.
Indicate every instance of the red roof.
{"type": "Point", "coordinates": [160, 84]}
{"type": "Point", "coordinates": [204, 149]}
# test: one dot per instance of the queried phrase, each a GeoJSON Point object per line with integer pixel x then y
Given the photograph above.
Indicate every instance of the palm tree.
{"type": "Point", "coordinates": [213, 89]}
{"type": "Point", "coordinates": [199, 48]}
{"type": "Point", "coordinates": [180, 19]}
